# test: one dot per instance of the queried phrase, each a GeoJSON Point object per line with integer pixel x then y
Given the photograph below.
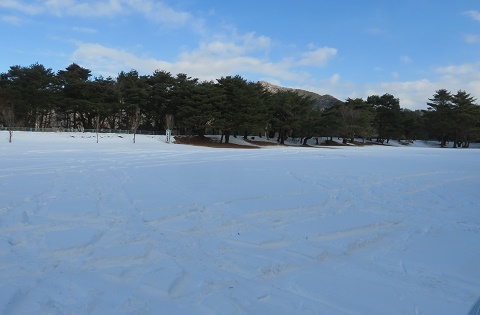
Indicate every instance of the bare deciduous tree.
{"type": "Point", "coordinates": [169, 122]}
{"type": "Point", "coordinates": [136, 118]}
{"type": "Point", "coordinates": [8, 113]}
{"type": "Point", "coordinates": [97, 124]}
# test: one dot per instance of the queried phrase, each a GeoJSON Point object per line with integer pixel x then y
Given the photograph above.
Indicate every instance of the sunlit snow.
{"type": "Point", "coordinates": [157, 228]}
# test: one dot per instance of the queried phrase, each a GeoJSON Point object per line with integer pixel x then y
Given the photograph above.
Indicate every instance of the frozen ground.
{"type": "Point", "coordinates": [156, 228]}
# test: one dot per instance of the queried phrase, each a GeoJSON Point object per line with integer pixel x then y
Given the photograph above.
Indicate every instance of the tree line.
{"type": "Point", "coordinates": [71, 99]}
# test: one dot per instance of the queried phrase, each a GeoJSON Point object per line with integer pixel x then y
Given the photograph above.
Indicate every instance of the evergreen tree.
{"type": "Point", "coordinates": [7, 109]}
{"type": "Point", "coordinates": [355, 118]}
{"type": "Point", "coordinates": [253, 117]}
{"type": "Point", "coordinates": [465, 119]}
{"type": "Point", "coordinates": [105, 101]}
{"type": "Point", "coordinates": [413, 123]}
{"type": "Point", "coordinates": [197, 112]}
{"type": "Point", "coordinates": [160, 86]}
{"type": "Point", "coordinates": [182, 101]}
{"type": "Point", "coordinates": [32, 92]}
{"type": "Point", "coordinates": [439, 115]}
{"type": "Point", "coordinates": [287, 110]}
{"type": "Point", "coordinates": [133, 94]}
{"type": "Point", "coordinates": [387, 119]}
{"type": "Point", "coordinates": [239, 109]}
{"type": "Point", "coordinates": [330, 125]}
{"type": "Point", "coordinates": [311, 124]}
{"type": "Point", "coordinates": [75, 105]}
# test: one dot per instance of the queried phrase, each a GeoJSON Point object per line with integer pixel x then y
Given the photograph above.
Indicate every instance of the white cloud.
{"type": "Point", "coordinates": [211, 60]}
{"type": "Point", "coordinates": [234, 46]}
{"type": "Point", "coordinates": [461, 77]}
{"type": "Point", "coordinates": [395, 75]}
{"type": "Point", "coordinates": [335, 79]}
{"type": "Point", "coordinates": [160, 12]}
{"type": "Point", "coordinates": [109, 61]}
{"type": "Point", "coordinates": [85, 9]}
{"type": "Point", "coordinates": [405, 59]}
{"type": "Point", "coordinates": [376, 31]}
{"type": "Point", "coordinates": [30, 9]}
{"type": "Point", "coordinates": [156, 11]}
{"type": "Point", "coordinates": [415, 94]}
{"type": "Point", "coordinates": [11, 19]}
{"type": "Point", "coordinates": [216, 59]}
{"type": "Point", "coordinates": [471, 38]}
{"type": "Point", "coordinates": [318, 57]}
{"type": "Point", "coordinates": [412, 94]}
{"type": "Point", "coordinates": [254, 42]}
{"type": "Point", "coordinates": [457, 69]}
{"type": "Point", "coordinates": [473, 14]}
{"type": "Point", "coordinates": [85, 30]}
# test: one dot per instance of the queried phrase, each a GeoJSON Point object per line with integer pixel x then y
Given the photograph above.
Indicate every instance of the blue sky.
{"type": "Point", "coordinates": [346, 48]}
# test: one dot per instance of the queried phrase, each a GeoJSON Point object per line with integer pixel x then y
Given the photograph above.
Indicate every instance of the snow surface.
{"type": "Point", "coordinates": [157, 228]}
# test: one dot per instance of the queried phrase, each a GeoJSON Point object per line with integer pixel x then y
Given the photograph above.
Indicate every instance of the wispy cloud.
{"type": "Point", "coordinates": [160, 12]}
{"type": "Point", "coordinates": [84, 30]}
{"type": "Point", "coordinates": [84, 9]}
{"type": "Point", "coordinates": [405, 59]}
{"type": "Point", "coordinates": [334, 79]}
{"type": "Point", "coordinates": [156, 11]}
{"type": "Point", "coordinates": [472, 38]}
{"type": "Point", "coordinates": [109, 61]}
{"type": "Point", "coordinates": [21, 6]}
{"type": "Point", "coordinates": [233, 45]}
{"type": "Point", "coordinates": [457, 69]}
{"type": "Point", "coordinates": [414, 94]}
{"type": "Point", "coordinates": [473, 14]}
{"type": "Point", "coordinates": [376, 31]}
{"type": "Point", "coordinates": [11, 19]}
{"type": "Point", "coordinates": [210, 60]}
{"type": "Point", "coordinates": [318, 57]}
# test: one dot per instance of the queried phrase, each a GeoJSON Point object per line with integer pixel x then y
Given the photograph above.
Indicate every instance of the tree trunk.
{"type": "Point", "coordinates": [97, 125]}
{"type": "Point", "coordinates": [283, 136]}
{"type": "Point", "coordinates": [306, 139]}
{"type": "Point", "coordinates": [227, 136]}
{"type": "Point", "coordinates": [443, 140]}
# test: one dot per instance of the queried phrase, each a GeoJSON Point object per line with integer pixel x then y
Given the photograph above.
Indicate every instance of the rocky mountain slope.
{"type": "Point", "coordinates": [320, 101]}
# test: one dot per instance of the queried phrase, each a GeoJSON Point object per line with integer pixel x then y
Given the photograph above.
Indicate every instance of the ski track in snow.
{"type": "Point", "coordinates": [154, 228]}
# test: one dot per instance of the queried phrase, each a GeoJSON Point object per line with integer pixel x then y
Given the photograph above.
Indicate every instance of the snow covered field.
{"type": "Point", "coordinates": [156, 228]}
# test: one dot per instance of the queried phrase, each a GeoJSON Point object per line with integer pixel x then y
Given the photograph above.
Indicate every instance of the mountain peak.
{"type": "Point", "coordinates": [319, 101]}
